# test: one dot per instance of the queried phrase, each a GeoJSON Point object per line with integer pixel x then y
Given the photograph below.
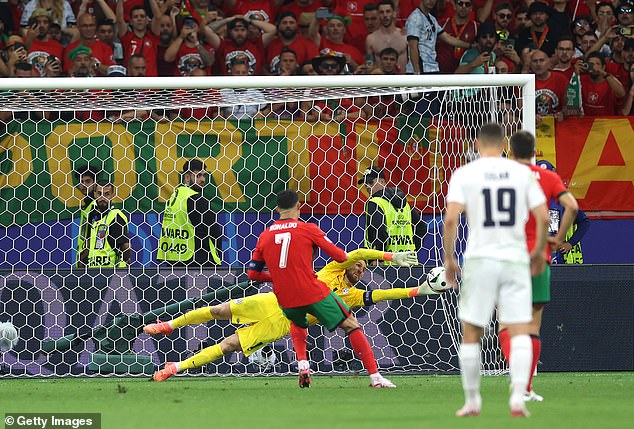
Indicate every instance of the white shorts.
{"type": "Point", "coordinates": [487, 284]}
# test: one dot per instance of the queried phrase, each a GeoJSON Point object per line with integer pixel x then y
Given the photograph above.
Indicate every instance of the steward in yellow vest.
{"type": "Point", "coordinates": [391, 224]}
{"type": "Point", "coordinates": [108, 245]}
{"type": "Point", "coordinates": [569, 251]}
{"type": "Point", "coordinates": [190, 234]}
{"type": "Point", "coordinates": [86, 178]}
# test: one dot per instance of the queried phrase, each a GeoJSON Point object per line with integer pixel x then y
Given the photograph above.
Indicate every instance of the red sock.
{"type": "Point", "coordinates": [505, 344]}
{"type": "Point", "coordinates": [537, 349]}
{"type": "Point", "coordinates": [299, 336]}
{"type": "Point", "coordinates": [362, 349]}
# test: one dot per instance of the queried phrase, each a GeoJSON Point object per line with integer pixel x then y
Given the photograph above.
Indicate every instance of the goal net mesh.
{"type": "Point", "coordinates": [254, 142]}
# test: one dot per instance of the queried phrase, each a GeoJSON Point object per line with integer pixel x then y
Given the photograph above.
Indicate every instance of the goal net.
{"type": "Point", "coordinates": [256, 137]}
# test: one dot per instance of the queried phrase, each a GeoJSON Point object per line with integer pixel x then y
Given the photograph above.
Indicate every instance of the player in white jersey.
{"type": "Point", "coordinates": [496, 195]}
{"type": "Point", "coordinates": [423, 31]}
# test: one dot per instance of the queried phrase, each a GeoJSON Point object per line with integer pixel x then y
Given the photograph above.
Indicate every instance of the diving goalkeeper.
{"type": "Point", "coordinates": [264, 318]}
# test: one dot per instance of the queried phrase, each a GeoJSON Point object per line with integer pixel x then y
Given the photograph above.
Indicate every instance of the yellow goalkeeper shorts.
{"type": "Point", "coordinates": [267, 330]}
{"type": "Point", "coordinates": [253, 308]}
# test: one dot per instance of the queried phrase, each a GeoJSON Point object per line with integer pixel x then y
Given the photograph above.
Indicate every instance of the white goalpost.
{"type": "Point", "coordinates": [256, 136]}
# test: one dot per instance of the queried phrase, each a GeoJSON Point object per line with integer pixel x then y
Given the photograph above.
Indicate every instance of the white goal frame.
{"type": "Point", "coordinates": [399, 84]}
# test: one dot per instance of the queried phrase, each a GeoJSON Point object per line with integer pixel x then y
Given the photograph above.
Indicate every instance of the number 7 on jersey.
{"type": "Point", "coordinates": [283, 238]}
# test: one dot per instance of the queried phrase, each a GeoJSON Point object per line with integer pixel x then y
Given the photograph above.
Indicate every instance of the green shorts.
{"type": "Point", "coordinates": [330, 311]}
{"type": "Point", "coordinates": [541, 287]}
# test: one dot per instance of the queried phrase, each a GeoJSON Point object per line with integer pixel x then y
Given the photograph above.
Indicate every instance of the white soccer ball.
{"type": "Point", "coordinates": [437, 280]}
{"type": "Point", "coordinates": [8, 336]}
{"type": "Point", "coordinates": [264, 358]}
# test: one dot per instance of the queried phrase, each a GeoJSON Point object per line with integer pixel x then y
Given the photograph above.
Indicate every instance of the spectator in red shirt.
{"type": "Point", "coordinates": [288, 37]}
{"type": "Point", "coordinates": [599, 89]}
{"type": "Point", "coordinates": [370, 24]}
{"type": "Point", "coordinates": [188, 52]}
{"type": "Point", "coordinates": [140, 40]}
{"type": "Point", "coordinates": [550, 88]}
{"type": "Point", "coordinates": [102, 53]}
{"type": "Point", "coordinates": [106, 34]}
{"type": "Point", "coordinates": [38, 41]}
{"type": "Point", "coordinates": [563, 56]}
{"type": "Point", "coordinates": [167, 34]}
{"type": "Point", "coordinates": [353, 9]}
{"type": "Point", "coordinates": [238, 45]}
{"type": "Point", "coordinates": [333, 40]}
{"type": "Point", "coordinates": [579, 7]}
{"type": "Point", "coordinates": [461, 27]}
{"type": "Point", "coordinates": [82, 62]}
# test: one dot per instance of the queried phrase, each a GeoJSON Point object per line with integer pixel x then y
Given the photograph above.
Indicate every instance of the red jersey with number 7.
{"type": "Point", "coordinates": [287, 248]}
{"type": "Point", "coordinates": [553, 187]}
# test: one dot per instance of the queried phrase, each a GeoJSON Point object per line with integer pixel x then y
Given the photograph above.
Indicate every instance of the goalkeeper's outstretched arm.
{"type": "Point", "coordinates": [403, 259]}
{"type": "Point", "coordinates": [371, 297]}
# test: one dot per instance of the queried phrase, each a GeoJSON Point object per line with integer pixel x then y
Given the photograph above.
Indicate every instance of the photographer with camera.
{"type": "Point", "coordinates": [14, 52]}
{"type": "Point", "coordinates": [480, 59]}
{"type": "Point", "coordinates": [53, 67]}
{"type": "Point", "coordinates": [599, 89]}
{"type": "Point", "coordinates": [188, 52]}
{"type": "Point", "coordinates": [38, 41]}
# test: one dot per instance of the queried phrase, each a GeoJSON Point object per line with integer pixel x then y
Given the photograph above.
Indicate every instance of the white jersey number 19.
{"type": "Point", "coordinates": [505, 207]}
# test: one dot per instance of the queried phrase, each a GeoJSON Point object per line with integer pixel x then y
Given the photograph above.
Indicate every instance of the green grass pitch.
{"type": "Point", "coordinates": [572, 400]}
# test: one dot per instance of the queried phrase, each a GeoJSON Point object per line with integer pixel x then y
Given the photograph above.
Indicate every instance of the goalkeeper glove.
{"type": "Point", "coordinates": [425, 289]}
{"type": "Point", "coordinates": [405, 259]}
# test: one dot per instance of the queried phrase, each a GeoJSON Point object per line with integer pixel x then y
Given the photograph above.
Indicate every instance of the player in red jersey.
{"type": "Point", "coordinates": [523, 149]}
{"type": "Point", "coordinates": [286, 247]}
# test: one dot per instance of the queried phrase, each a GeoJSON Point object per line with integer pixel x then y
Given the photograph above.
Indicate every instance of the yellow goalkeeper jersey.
{"type": "Point", "coordinates": [334, 274]}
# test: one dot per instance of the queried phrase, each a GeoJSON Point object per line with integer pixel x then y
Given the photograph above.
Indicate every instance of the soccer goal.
{"type": "Point", "coordinates": [256, 136]}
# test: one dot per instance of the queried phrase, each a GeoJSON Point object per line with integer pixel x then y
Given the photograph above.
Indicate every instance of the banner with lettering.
{"type": "Point", "coordinates": [595, 158]}
{"type": "Point", "coordinates": [248, 162]}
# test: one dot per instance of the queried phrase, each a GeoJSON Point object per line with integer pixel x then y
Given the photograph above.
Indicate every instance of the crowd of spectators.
{"type": "Point", "coordinates": [567, 44]}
